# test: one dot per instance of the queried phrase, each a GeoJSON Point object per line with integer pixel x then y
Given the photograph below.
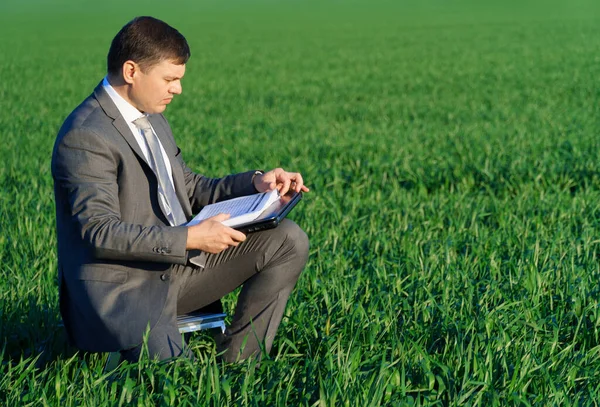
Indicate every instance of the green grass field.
{"type": "Point", "coordinates": [452, 148]}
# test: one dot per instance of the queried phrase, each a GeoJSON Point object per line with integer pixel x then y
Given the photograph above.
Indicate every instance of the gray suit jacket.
{"type": "Point", "coordinates": [115, 246]}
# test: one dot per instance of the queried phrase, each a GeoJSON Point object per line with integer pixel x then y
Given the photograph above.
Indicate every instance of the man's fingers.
{"type": "Point", "coordinates": [285, 184]}
{"type": "Point", "coordinates": [266, 185]}
{"type": "Point", "coordinates": [215, 247]}
{"type": "Point", "coordinates": [231, 235]}
{"type": "Point", "coordinates": [220, 217]}
{"type": "Point", "coordinates": [297, 178]}
{"type": "Point", "coordinates": [237, 236]}
{"type": "Point", "coordinates": [212, 236]}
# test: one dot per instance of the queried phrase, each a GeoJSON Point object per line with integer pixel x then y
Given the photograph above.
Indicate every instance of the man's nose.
{"type": "Point", "coordinates": [176, 88]}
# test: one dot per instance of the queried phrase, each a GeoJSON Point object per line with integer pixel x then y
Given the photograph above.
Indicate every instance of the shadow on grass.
{"type": "Point", "coordinates": [36, 331]}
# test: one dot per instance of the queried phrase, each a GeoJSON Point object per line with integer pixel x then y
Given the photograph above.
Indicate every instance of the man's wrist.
{"type": "Point", "coordinates": [256, 173]}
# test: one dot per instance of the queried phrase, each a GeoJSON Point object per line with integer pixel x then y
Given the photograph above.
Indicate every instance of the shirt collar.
{"type": "Point", "coordinates": [128, 112]}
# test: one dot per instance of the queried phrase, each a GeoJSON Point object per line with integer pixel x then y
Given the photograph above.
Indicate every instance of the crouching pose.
{"type": "Point", "coordinates": [123, 196]}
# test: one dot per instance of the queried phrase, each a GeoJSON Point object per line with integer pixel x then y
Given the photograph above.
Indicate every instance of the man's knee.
{"type": "Point", "coordinates": [295, 240]}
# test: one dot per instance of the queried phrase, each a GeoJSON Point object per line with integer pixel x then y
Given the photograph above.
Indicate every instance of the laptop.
{"type": "Point", "coordinates": [272, 215]}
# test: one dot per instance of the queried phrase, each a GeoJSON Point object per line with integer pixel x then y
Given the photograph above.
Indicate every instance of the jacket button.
{"type": "Point", "coordinates": [164, 277]}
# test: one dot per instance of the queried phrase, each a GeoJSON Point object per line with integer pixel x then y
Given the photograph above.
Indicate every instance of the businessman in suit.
{"type": "Point", "coordinates": [128, 265]}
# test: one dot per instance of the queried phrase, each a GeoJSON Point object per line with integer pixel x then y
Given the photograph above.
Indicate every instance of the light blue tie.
{"type": "Point", "coordinates": [169, 203]}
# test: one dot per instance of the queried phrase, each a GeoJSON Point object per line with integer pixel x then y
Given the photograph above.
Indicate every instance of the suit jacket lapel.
{"type": "Point", "coordinates": [118, 122]}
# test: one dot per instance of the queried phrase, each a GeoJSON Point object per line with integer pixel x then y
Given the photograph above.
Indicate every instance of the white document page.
{"type": "Point", "coordinates": [242, 210]}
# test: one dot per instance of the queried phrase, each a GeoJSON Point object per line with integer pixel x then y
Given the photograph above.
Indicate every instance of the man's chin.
{"type": "Point", "coordinates": [157, 109]}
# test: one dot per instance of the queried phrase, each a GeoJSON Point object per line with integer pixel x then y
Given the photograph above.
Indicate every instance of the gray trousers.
{"type": "Point", "coordinates": [267, 265]}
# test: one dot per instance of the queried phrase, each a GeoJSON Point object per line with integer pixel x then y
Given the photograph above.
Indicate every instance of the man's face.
{"type": "Point", "coordinates": [153, 90]}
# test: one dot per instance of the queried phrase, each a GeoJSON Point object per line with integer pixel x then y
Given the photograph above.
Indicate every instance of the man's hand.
{"type": "Point", "coordinates": [280, 179]}
{"type": "Point", "coordinates": [212, 236]}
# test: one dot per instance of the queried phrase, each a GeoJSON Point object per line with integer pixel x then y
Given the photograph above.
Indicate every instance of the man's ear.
{"type": "Point", "coordinates": [129, 70]}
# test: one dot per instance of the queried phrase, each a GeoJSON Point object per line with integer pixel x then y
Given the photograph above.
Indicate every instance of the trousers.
{"type": "Point", "coordinates": [267, 265]}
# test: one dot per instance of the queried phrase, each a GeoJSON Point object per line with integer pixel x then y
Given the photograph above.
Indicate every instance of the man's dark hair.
{"type": "Point", "coordinates": [146, 41]}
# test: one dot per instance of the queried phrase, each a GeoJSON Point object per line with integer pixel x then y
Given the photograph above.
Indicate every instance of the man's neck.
{"type": "Point", "coordinates": [121, 87]}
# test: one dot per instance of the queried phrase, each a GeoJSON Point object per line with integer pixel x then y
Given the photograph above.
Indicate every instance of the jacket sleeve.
{"type": "Point", "coordinates": [202, 190]}
{"type": "Point", "coordinates": [85, 170]}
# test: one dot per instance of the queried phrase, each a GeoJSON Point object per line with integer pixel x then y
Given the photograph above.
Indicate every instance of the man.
{"type": "Point", "coordinates": [123, 194]}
